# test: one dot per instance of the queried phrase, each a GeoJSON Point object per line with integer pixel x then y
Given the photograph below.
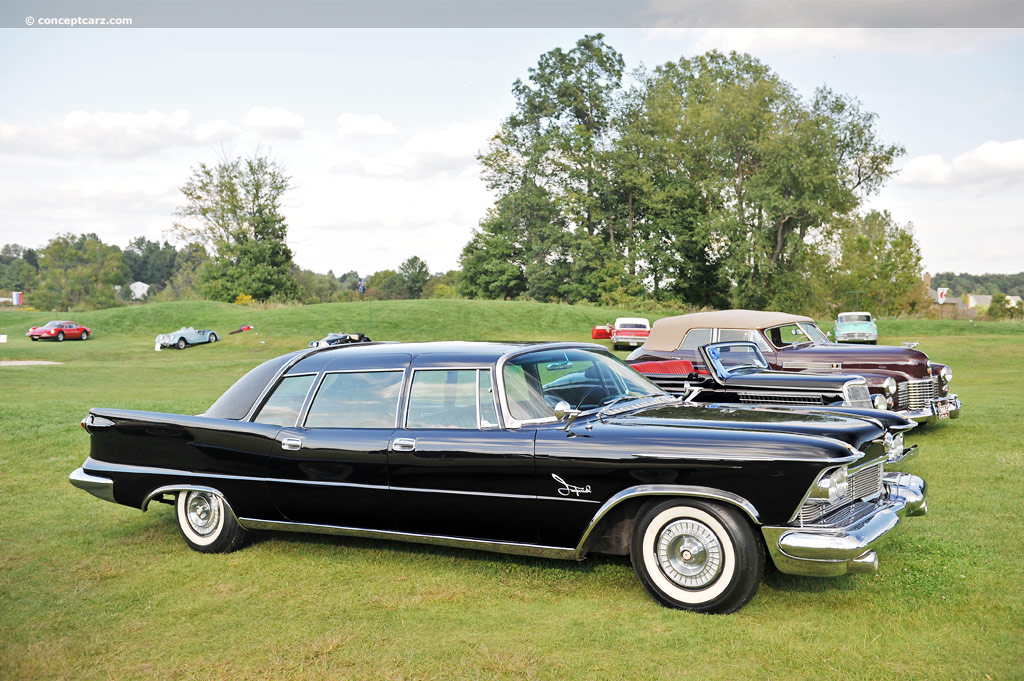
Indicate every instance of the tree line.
{"type": "Point", "coordinates": [707, 181]}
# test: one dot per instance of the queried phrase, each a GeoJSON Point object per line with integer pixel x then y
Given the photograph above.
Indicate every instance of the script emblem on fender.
{"type": "Point", "coordinates": [566, 489]}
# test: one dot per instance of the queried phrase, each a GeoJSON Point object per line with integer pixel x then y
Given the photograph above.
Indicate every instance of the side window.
{"type": "Point", "coordinates": [283, 405]}
{"type": "Point", "coordinates": [695, 338]}
{"type": "Point", "coordinates": [367, 399]}
{"type": "Point", "coordinates": [787, 334]}
{"type": "Point", "coordinates": [488, 411]}
{"type": "Point", "coordinates": [443, 398]}
{"type": "Point", "coordinates": [725, 335]}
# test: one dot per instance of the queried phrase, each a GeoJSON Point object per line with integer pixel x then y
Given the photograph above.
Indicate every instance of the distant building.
{"type": "Point", "coordinates": [978, 300]}
{"type": "Point", "coordinates": [139, 290]}
{"type": "Point", "coordinates": [944, 303]}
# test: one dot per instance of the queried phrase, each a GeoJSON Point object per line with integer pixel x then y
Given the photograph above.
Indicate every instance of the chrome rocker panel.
{"type": "Point", "coordinates": [829, 551]}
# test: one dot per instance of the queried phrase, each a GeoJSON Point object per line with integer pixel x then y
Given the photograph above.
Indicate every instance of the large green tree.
{"type": "Point", "coordinates": [78, 272]}
{"type": "Point", "coordinates": [233, 208]}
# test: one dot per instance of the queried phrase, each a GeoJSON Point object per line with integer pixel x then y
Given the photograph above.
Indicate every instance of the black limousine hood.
{"type": "Point", "coordinates": [852, 430]}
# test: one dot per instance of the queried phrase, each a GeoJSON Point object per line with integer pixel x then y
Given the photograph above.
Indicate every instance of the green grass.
{"type": "Point", "coordinates": [91, 590]}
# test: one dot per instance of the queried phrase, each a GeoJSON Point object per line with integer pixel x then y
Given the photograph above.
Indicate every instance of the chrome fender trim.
{"type": "Point", "coordinates": [664, 490]}
{"type": "Point", "coordinates": [166, 489]}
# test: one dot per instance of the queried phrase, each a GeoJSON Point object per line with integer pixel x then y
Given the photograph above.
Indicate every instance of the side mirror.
{"type": "Point", "coordinates": [828, 334]}
{"type": "Point", "coordinates": [564, 411]}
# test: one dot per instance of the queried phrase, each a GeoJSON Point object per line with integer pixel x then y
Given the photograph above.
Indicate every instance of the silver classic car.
{"type": "Point", "coordinates": [184, 337]}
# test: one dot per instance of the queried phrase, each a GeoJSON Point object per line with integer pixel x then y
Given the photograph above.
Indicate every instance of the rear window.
{"type": "Point", "coordinates": [236, 402]}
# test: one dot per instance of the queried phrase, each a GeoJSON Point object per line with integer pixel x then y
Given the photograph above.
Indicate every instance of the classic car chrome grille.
{"type": "Point", "coordinates": [857, 395]}
{"type": "Point", "coordinates": [917, 394]}
{"type": "Point", "coordinates": [775, 398]}
{"type": "Point", "coordinates": [863, 483]}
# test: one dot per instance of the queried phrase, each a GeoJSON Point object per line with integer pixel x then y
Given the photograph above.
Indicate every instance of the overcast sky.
{"type": "Point", "coordinates": [379, 128]}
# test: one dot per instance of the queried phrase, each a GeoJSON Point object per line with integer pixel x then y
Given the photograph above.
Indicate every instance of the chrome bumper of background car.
{"type": "Point", "coordinates": [931, 413]}
{"type": "Point", "coordinates": [829, 551]}
{"type": "Point", "coordinates": [855, 336]}
{"type": "Point", "coordinates": [93, 484]}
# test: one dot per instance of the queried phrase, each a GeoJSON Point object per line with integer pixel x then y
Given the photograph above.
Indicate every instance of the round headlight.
{"type": "Point", "coordinates": [946, 374]}
{"type": "Point", "coordinates": [831, 487]}
{"type": "Point", "coordinates": [880, 402]}
{"type": "Point", "coordinates": [890, 385]}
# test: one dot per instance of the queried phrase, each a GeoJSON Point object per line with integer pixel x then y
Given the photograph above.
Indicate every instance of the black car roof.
{"type": "Point", "coordinates": [396, 355]}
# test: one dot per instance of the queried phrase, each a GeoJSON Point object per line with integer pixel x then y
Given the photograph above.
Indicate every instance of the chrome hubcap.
{"type": "Point", "coordinates": [203, 510]}
{"type": "Point", "coordinates": [689, 553]}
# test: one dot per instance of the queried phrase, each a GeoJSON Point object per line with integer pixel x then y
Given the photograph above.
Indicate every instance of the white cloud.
{"type": "Point", "coordinates": [272, 121]}
{"type": "Point", "coordinates": [832, 40]}
{"type": "Point", "coordinates": [104, 133]}
{"type": "Point", "coordinates": [426, 153]}
{"type": "Point", "coordinates": [992, 163]}
{"type": "Point", "coordinates": [354, 125]}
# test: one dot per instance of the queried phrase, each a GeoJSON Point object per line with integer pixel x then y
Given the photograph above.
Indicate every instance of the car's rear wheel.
{"type": "Point", "coordinates": [85, 335]}
{"type": "Point", "coordinates": [60, 336]}
{"type": "Point", "coordinates": [207, 522]}
{"type": "Point", "coordinates": [697, 555]}
{"type": "Point", "coordinates": [181, 343]}
{"type": "Point", "coordinates": [213, 338]}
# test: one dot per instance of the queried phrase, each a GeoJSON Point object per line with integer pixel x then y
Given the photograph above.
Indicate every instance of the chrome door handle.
{"type": "Point", "coordinates": [403, 444]}
{"type": "Point", "coordinates": [292, 443]}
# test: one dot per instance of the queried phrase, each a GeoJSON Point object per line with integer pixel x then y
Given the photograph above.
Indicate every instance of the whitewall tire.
{"type": "Point", "coordinates": [207, 523]}
{"type": "Point", "coordinates": [697, 555]}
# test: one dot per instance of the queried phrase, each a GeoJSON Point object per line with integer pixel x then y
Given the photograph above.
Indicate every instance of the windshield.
{"type": "Point", "coordinates": [851, 318]}
{"type": "Point", "coordinates": [730, 359]}
{"type": "Point", "coordinates": [796, 334]}
{"type": "Point", "coordinates": [537, 381]}
{"type": "Point", "coordinates": [52, 325]}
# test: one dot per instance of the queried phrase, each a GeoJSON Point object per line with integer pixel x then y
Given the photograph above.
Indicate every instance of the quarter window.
{"type": "Point", "coordinates": [283, 405]}
{"type": "Point", "coordinates": [359, 399]}
{"type": "Point", "coordinates": [695, 338]}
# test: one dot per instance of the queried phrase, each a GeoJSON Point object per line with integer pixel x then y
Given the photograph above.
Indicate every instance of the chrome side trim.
{"type": "Point", "coordinates": [664, 490]}
{"type": "Point", "coordinates": [103, 466]}
{"type": "Point", "coordinates": [102, 488]}
{"type": "Point", "coordinates": [515, 548]}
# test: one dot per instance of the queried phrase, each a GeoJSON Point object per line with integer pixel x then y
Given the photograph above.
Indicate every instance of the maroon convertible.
{"type": "Point", "coordinates": [918, 388]}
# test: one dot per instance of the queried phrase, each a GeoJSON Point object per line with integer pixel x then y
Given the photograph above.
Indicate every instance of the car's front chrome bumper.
{"type": "Point", "coordinates": [93, 484]}
{"type": "Point", "coordinates": [940, 408]}
{"type": "Point", "coordinates": [856, 336]}
{"type": "Point", "coordinates": [832, 550]}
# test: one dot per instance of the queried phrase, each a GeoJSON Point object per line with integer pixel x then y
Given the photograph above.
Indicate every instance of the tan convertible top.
{"type": "Point", "coordinates": [668, 332]}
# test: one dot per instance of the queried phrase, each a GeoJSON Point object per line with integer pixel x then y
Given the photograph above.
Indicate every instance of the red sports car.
{"type": "Point", "coordinates": [59, 331]}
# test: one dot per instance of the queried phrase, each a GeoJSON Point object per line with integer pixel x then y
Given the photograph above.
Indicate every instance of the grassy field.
{"type": "Point", "coordinates": [91, 590]}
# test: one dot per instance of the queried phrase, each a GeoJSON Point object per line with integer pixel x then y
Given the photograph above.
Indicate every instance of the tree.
{"type": "Point", "coordinates": [78, 272]}
{"type": "Point", "coordinates": [415, 275]}
{"type": "Point", "coordinates": [150, 262]}
{"type": "Point", "coordinates": [881, 261]}
{"type": "Point", "coordinates": [233, 208]}
{"type": "Point", "coordinates": [999, 307]}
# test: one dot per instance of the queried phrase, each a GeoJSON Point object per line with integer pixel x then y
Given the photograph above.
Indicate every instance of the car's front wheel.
{"type": "Point", "coordinates": [207, 522]}
{"type": "Point", "coordinates": [697, 555]}
{"type": "Point", "coordinates": [60, 336]}
{"type": "Point", "coordinates": [181, 343]}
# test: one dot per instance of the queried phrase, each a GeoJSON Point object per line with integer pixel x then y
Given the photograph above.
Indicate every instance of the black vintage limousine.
{"type": "Point", "coordinates": [557, 450]}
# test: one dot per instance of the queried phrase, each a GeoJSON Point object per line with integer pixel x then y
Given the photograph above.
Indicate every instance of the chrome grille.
{"type": "Point", "coordinates": [774, 398]}
{"type": "Point", "coordinates": [670, 383]}
{"type": "Point", "coordinates": [857, 395]}
{"type": "Point", "coordinates": [917, 394]}
{"type": "Point", "coordinates": [863, 483]}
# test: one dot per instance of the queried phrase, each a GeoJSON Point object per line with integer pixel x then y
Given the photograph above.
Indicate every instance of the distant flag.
{"type": "Point", "coordinates": [362, 288]}
{"type": "Point", "coordinates": [16, 297]}
{"type": "Point", "coordinates": [943, 292]}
